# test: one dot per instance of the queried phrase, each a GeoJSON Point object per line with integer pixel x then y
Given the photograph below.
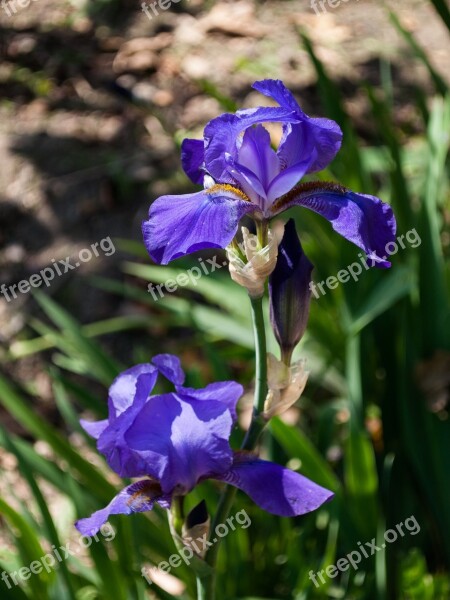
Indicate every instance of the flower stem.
{"type": "Point", "coordinates": [223, 509]}
{"type": "Point", "coordinates": [257, 424]}
{"type": "Point", "coordinates": [176, 518]}
{"type": "Point", "coordinates": [206, 585]}
{"type": "Point", "coordinates": [262, 231]}
{"type": "Point", "coordinates": [260, 353]}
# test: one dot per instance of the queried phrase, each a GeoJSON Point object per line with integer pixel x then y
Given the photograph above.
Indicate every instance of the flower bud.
{"type": "Point", "coordinates": [197, 526]}
{"type": "Point", "coordinates": [289, 292]}
{"type": "Point", "coordinates": [250, 264]}
{"type": "Point", "coordinates": [286, 385]}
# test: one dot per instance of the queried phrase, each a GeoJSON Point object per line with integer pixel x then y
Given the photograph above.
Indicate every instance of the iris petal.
{"type": "Point", "coordinates": [122, 392]}
{"type": "Point", "coordinates": [127, 395]}
{"type": "Point", "coordinates": [137, 497]}
{"type": "Point", "coordinates": [274, 488]}
{"type": "Point", "coordinates": [182, 440]}
{"type": "Point", "coordinates": [249, 181]}
{"type": "Point", "coordinates": [180, 225]}
{"type": "Point", "coordinates": [192, 159]}
{"type": "Point", "coordinates": [296, 145]}
{"type": "Point", "coordinates": [112, 443]}
{"type": "Point", "coordinates": [221, 135]}
{"type": "Point", "coordinates": [364, 220]}
{"type": "Point", "coordinates": [287, 179]}
{"type": "Point", "coordinates": [169, 365]}
{"type": "Point", "coordinates": [275, 89]}
{"type": "Point", "coordinates": [94, 428]}
{"type": "Point", "coordinates": [258, 156]}
{"type": "Point", "coordinates": [323, 135]}
{"type": "Point", "coordinates": [226, 392]}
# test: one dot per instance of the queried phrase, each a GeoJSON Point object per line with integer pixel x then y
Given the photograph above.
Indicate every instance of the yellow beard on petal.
{"type": "Point", "coordinates": [226, 187]}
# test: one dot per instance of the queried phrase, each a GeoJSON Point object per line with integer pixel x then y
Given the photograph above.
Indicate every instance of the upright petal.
{"type": "Point", "coordinates": [127, 395]}
{"type": "Point", "coordinates": [258, 156]}
{"type": "Point", "coordinates": [364, 220]}
{"type": "Point", "coordinates": [123, 391]}
{"type": "Point", "coordinates": [287, 179]}
{"type": "Point", "coordinates": [222, 135]}
{"type": "Point", "coordinates": [296, 145]}
{"type": "Point", "coordinates": [327, 140]}
{"type": "Point", "coordinates": [274, 488]}
{"type": "Point", "coordinates": [182, 440]}
{"type": "Point", "coordinates": [120, 457]}
{"type": "Point", "coordinates": [180, 225]}
{"type": "Point", "coordinates": [137, 497]}
{"type": "Point", "coordinates": [193, 159]}
{"type": "Point", "coordinates": [247, 180]}
{"type": "Point", "coordinates": [94, 428]}
{"type": "Point", "coordinates": [169, 365]}
{"type": "Point", "coordinates": [316, 141]}
{"type": "Point", "coordinates": [319, 138]}
{"type": "Point", "coordinates": [289, 292]}
{"type": "Point", "coordinates": [227, 392]}
{"type": "Point", "coordinates": [275, 89]}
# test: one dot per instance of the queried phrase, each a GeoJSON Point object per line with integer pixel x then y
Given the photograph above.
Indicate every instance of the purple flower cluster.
{"type": "Point", "coordinates": [175, 440]}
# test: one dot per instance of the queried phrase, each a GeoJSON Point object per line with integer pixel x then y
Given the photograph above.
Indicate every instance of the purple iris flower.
{"type": "Point", "coordinates": [176, 440]}
{"type": "Point", "coordinates": [243, 175]}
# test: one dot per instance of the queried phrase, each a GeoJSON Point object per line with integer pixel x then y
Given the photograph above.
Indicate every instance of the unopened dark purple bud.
{"type": "Point", "coordinates": [289, 292]}
{"type": "Point", "coordinates": [197, 516]}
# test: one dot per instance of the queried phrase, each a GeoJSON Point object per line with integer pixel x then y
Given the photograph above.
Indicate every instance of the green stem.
{"type": "Point", "coordinates": [176, 518]}
{"type": "Point", "coordinates": [206, 585]}
{"type": "Point", "coordinates": [223, 509]}
{"type": "Point", "coordinates": [260, 354]}
{"type": "Point", "coordinates": [262, 232]}
{"type": "Point", "coordinates": [258, 423]}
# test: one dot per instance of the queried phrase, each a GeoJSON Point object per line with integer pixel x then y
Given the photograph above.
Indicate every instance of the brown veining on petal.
{"type": "Point", "coordinates": [305, 188]}
{"type": "Point", "coordinates": [244, 455]}
{"type": "Point", "coordinates": [149, 490]}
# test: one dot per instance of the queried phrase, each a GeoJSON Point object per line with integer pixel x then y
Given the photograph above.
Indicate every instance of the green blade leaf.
{"type": "Point", "coordinates": [296, 445]}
